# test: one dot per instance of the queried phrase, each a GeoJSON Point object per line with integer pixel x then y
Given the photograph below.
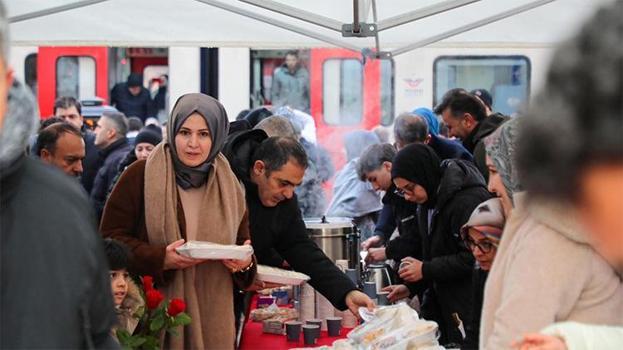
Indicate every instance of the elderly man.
{"type": "Point", "coordinates": [54, 276]}
{"type": "Point", "coordinates": [61, 145]}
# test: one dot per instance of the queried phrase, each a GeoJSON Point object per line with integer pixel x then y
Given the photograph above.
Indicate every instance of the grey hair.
{"type": "Point", "coordinates": [577, 121]}
{"type": "Point", "coordinates": [410, 128]}
{"type": "Point", "coordinates": [373, 157]}
{"type": "Point", "coordinates": [119, 122]}
{"type": "Point", "coordinates": [277, 125]}
{"type": "Point", "coordinates": [4, 33]}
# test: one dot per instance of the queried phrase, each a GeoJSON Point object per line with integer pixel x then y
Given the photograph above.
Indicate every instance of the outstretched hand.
{"type": "Point", "coordinates": [356, 299]}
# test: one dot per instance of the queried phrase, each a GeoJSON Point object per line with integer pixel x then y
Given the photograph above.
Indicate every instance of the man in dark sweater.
{"type": "Point", "coordinates": [270, 169]}
{"type": "Point", "coordinates": [466, 118]}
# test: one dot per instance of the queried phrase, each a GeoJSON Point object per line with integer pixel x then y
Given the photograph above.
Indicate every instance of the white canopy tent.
{"type": "Point", "coordinates": [197, 23]}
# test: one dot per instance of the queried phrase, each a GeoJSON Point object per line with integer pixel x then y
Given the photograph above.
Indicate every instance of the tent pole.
{"type": "Point", "coordinates": [302, 15]}
{"type": "Point", "coordinates": [470, 26]}
{"type": "Point", "coordinates": [53, 10]}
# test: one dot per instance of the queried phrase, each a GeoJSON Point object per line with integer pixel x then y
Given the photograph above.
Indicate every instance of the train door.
{"type": "Point", "coordinates": [348, 94]}
{"type": "Point", "coordinates": [80, 72]}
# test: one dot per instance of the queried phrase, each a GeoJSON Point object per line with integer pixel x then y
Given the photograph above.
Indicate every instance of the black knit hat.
{"type": "Point", "coordinates": [135, 79]}
{"type": "Point", "coordinates": [147, 136]}
{"type": "Point", "coordinates": [419, 164]}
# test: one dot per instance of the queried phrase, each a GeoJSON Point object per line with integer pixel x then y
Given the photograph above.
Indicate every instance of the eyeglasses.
{"type": "Point", "coordinates": [399, 193]}
{"type": "Point", "coordinates": [484, 246]}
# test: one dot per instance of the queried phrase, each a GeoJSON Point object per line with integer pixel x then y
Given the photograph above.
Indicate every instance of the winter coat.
{"type": "Point", "coordinates": [448, 149]}
{"type": "Point", "coordinates": [353, 198]}
{"type": "Point", "coordinates": [279, 233]}
{"type": "Point", "coordinates": [545, 271]}
{"type": "Point", "coordinates": [54, 280]}
{"type": "Point", "coordinates": [401, 214]}
{"type": "Point", "coordinates": [111, 156]}
{"type": "Point", "coordinates": [126, 318]}
{"type": "Point", "coordinates": [91, 162]}
{"type": "Point", "coordinates": [474, 142]}
{"type": "Point", "coordinates": [447, 263]}
{"type": "Point", "coordinates": [53, 263]}
{"type": "Point", "coordinates": [472, 328]}
{"type": "Point", "coordinates": [579, 336]}
{"type": "Point", "coordinates": [140, 106]}
{"type": "Point", "coordinates": [129, 158]}
{"type": "Point", "coordinates": [291, 89]}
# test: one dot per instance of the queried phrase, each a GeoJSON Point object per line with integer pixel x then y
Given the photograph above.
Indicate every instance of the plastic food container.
{"type": "Point", "coordinates": [209, 250]}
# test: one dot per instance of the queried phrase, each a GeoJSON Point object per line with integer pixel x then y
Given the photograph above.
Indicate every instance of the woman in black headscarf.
{"type": "Point", "coordinates": [446, 194]}
{"type": "Point", "coordinates": [186, 190]}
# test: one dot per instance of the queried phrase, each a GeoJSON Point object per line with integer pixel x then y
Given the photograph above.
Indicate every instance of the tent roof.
{"type": "Point", "coordinates": [191, 23]}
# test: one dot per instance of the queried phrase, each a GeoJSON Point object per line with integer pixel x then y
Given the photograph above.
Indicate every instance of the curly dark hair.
{"type": "Point", "coordinates": [577, 121]}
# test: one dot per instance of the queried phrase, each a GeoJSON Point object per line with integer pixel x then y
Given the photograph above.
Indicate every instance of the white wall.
{"type": "Point", "coordinates": [233, 79]}
{"type": "Point", "coordinates": [184, 72]}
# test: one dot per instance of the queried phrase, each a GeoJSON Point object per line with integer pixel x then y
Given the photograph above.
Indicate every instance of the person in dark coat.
{"type": "Point", "coordinates": [70, 110]}
{"type": "Point", "coordinates": [53, 272]}
{"type": "Point", "coordinates": [270, 169]}
{"type": "Point", "coordinates": [110, 139]}
{"type": "Point", "coordinates": [481, 234]}
{"type": "Point", "coordinates": [132, 99]}
{"type": "Point", "coordinates": [352, 196]}
{"type": "Point", "coordinates": [446, 194]}
{"type": "Point", "coordinates": [466, 118]}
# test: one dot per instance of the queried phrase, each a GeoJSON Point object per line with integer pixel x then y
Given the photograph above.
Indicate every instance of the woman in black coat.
{"type": "Point", "coordinates": [446, 193]}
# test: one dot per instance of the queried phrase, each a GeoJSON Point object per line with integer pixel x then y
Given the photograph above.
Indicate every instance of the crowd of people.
{"type": "Point", "coordinates": [507, 232]}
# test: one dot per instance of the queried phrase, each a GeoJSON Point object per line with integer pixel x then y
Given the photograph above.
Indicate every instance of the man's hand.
{"type": "Point", "coordinates": [397, 292]}
{"type": "Point", "coordinates": [174, 261]}
{"type": "Point", "coordinates": [376, 254]}
{"type": "Point", "coordinates": [373, 241]}
{"type": "Point", "coordinates": [260, 285]}
{"type": "Point", "coordinates": [356, 299]}
{"type": "Point", "coordinates": [540, 342]}
{"type": "Point", "coordinates": [410, 269]}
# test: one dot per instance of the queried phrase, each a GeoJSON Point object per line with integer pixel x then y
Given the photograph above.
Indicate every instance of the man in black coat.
{"type": "Point", "coordinates": [113, 145]}
{"type": "Point", "coordinates": [54, 280]}
{"type": "Point", "coordinates": [132, 99]}
{"type": "Point", "coordinates": [270, 169]}
{"type": "Point", "coordinates": [466, 118]}
{"type": "Point", "coordinates": [70, 110]}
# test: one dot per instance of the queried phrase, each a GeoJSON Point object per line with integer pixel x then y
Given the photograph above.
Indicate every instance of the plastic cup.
{"type": "Point", "coordinates": [334, 326]}
{"type": "Point", "coordinates": [310, 332]}
{"type": "Point", "coordinates": [382, 298]}
{"type": "Point", "coordinates": [316, 322]}
{"type": "Point", "coordinates": [293, 330]}
{"type": "Point", "coordinates": [370, 289]}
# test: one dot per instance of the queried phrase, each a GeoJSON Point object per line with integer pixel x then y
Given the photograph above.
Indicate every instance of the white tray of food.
{"type": "Point", "coordinates": [209, 250]}
{"type": "Point", "coordinates": [280, 276]}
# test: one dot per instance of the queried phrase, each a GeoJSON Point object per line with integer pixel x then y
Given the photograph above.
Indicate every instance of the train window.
{"type": "Point", "coordinates": [75, 76]}
{"type": "Point", "coordinates": [507, 78]}
{"type": "Point", "coordinates": [30, 72]}
{"type": "Point", "coordinates": [342, 91]}
{"type": "Point", "coordinates": [387, 92]}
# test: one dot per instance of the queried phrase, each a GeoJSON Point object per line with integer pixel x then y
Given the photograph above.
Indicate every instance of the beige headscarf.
{"type": "Point", "coordinates": [207, 287]}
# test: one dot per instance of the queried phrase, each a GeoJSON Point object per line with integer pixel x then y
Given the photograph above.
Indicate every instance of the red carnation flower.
{"type": "Point", "coordinates": [176, 306]}
{"type": "Point", "coordinates": [154, 298]}
{"type": "Point", "coordinates": [148, 283]}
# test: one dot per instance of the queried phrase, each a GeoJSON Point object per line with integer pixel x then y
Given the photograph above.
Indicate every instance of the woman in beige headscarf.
{"type": "Point", "coordinates": [186, 190]}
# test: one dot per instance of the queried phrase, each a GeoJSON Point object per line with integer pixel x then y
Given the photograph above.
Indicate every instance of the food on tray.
{"type": "Point", "coordinates": [275, 275]}
{"type": "Point", "coordinates": [209, 250]}
{"type": "Point", "coordinates": [258, 315]}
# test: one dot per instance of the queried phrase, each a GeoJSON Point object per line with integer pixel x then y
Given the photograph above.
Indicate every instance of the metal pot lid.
{"type": "Point", "coordinates": [328, 222]}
